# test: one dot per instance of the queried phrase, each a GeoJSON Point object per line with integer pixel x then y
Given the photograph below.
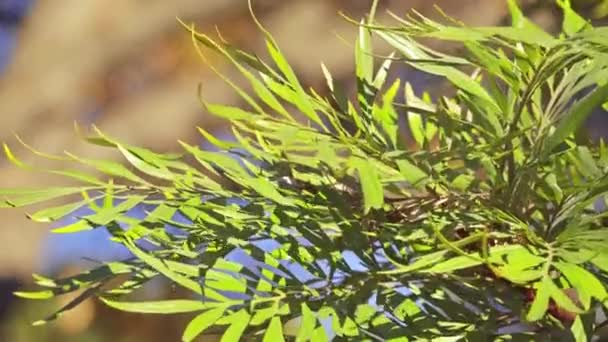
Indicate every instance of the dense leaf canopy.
{"type": "Point", "coordinates": [319, 222]}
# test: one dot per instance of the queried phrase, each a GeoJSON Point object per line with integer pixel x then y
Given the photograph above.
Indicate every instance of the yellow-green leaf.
{"type": "Point", "coordinates": [274, 333]}
{"type": "Point", "coordinates": [202, 322]}
{"type": "Point", "coordinates": [160, 307]}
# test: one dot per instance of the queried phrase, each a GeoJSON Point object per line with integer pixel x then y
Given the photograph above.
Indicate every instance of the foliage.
{"type": "Point", "coordinates": [319, 222]}
{"type": "Point", "coordinates": [599, 8]}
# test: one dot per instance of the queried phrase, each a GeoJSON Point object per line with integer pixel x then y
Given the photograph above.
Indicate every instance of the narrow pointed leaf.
{"type": "Point", "coordinates": [159, 307]}
{"type": "Point", "coordinates": [202, 322]}
{"type": "Point", "coordinates": [274, 331]}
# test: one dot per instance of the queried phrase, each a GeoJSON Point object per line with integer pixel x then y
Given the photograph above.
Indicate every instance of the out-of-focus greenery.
{"type": "Point", "coordinates": [319, 222]}
{"type": "Point", "coordinates": [599, 8]}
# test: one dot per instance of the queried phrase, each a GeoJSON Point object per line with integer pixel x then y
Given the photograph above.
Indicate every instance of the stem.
{"type": "Point", "coordinates": [509, 164]}
{"type": "Point", "coordinates": [372, 12]}
{"type": "Point", "coordinates": [416, 265]}
{"type": "Point", "coordinates": [456, 249]}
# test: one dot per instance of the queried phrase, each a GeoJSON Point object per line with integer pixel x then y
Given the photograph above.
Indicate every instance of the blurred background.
{"type": "Point", "coordinates": [129, 68]}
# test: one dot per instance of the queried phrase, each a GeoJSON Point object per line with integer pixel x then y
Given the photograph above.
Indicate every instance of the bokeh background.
{"type": "Point", "coordinates": [129, 68]}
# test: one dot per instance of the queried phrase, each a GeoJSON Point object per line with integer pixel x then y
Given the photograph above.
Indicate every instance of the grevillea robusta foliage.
{"type": "Point", "coordinates": [318, 222]}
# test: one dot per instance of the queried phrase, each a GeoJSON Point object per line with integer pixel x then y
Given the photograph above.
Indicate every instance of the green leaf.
{"type": "Point", "coordinates": [519, 276]}
{"type": "Point", "coordinates": [78, 176]}
{"type": "Point", "coordinates": [46, 294]}
{"type": "Point", "coordinates": [416, 127]}
{"type": "Point", "coordinates": [238, 58]}
{"type": "Point", "coordinates": [274, 331]}
{"type": "Point", "coordinates": [262, 315]}
{"type": "Point", "coordinates": [407, 308]}
{"type": "Point", "coordinates": [223, 161]}
{"type": "Point", "coordinates": [540, 304]}
{"type": "Point", "coordinates": [110, 168]}
{"type": "Point", "coordinates": [307, 326]}
{"type": "Point", "coordinates": [319, 335]}
{"type": "Point", "coordinates": [17, 197]}
{"type": "Point", "coordinates": [56, 213]}
{"type": "Point", "coordinates": [572, 23]}
{"type": "Point", "coordinates": [454, 264]}
{"type": "Point", "coordinates": [465, 34]}
{"type": "Point", "coordinates": [373, 194]}
{"type": "Point", "coordinates": [562, 299]}
{"type": "Point", "coordinates": [586, 284]}
{"type": "Point", "coordinates": [160, 307]}
{"type": "Point", "coordinates": [601, 262]}
{"type": "Point", "coordinates": [328, 77]}
{"type": "Point", "coordinates": [103, 216]}
{"type": "Point", "coordinates": [222, 277]}
{"type": "Point", "coordinates": [301, 101]}
{"type": "Point", "coordinates": [420, 263]}
{"type": "Point", "coordinates": [383, 71]}
{"type": "Point", "coordinates": [578, 330]}
{"type": "Point", "coordinates": [350, 328]}
{"type": "Point", "coordinates": [13, 159]}
{"type": "Point", "coordinates": [160, 266]}
{"type": "Point", "coordinates": [221, 144]}
{"type": "Point", "coordinates": [575, 117]}
{"type": "Point", "coordinates": [86, 294]}
{"type": "Point", "coordinates": [144, 166]}
{"type": "Point", "coordinates": [551, 181]}
{"type": "Point", "coordinates": [364, 313]}
{"type": "Point", "coordinates": [415, 122]}
{"type": "Point", "coordinates": [386, 115]}
{"type": "Point", "coordinates": [229, 112]}
{"type": "Point", "coordinates": [401, 339]}
{"type": "Point", "coordinates": [202, 322]}
{"type": "Point", "coordinates": [238, 324]}
{"type": "Point", "coordinates": [411, 173]}
{"type": "Point", "coordinates": [603, 151]}
{"type": "Point", "coordinates": [462, 182]}
{"type": "Point", "coordinates": [588, 163]}
{"type": "Point", "coordinates": [458, 78]}
{"type": "Point", "coordinates": [527, 30]}
{"type": "Point", "coordinates": [267, 189]}
{"type": "Point", "coordinates": [517, 16]}
{"type": "Point", "coordinates": [66, 173]}
{"type": "Point", "coordinates": [364, 58]}
{"type": "Point", "coordinates": [109, 213]}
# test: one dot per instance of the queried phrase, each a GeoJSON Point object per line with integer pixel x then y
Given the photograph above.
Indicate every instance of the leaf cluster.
{"type": "Point", "coordinates": [318, 222]}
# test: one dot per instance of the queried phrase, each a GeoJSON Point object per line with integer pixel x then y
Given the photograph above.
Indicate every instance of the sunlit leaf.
{"type": "Point", "coordinates": [585, 283]}
{"type": "Point", "coordinates": [314, 221]}
{"type": "Point", "coordinates": [159, 307]}
{"type": "Point", "coordinates": [572, 22]}
{"type": "Point", "coordinates": [202, 322]}
{"type": "Point", "coordinates": [540, 304]}
{"type": "Point", "coordinates": [56, 213]}
{"type": "Point", "coordinates": [373, 195]}
{"type": "Point", "coordinates": [578, 330]}
{"type": "Point", "coordinates": [25, 197]}
{"type": "Point", "coordinates": [238, 324]}
{"type": "Point", "coordinates": [274, 331]}
{"type": "Point", "coordinates": [308, 323]}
